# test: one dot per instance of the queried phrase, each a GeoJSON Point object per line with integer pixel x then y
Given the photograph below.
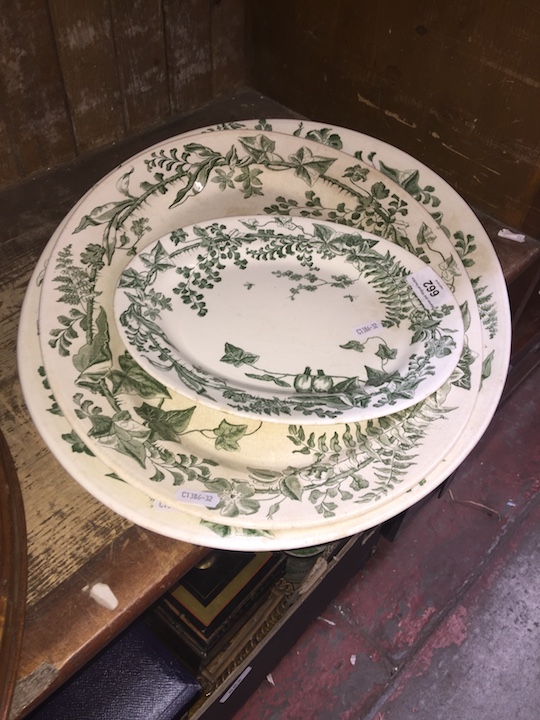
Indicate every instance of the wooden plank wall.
{"type": "Point", "coordinates": [456, 84]}
{"type": "Point", "coordinates": [76, 76]}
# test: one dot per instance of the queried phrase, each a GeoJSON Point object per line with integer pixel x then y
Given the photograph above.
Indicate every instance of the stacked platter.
{"type": "Point", "coordinates": [266, 335]}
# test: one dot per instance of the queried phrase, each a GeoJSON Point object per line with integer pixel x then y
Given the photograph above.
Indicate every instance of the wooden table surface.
{"type": "Point", "coordinates": [73, 540]}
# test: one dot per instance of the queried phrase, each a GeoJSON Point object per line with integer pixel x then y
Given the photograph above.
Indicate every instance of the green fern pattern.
{"type": "Point", "coordinates": [152, 435]}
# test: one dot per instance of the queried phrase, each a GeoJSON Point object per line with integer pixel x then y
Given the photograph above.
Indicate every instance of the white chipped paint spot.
{"type": "Point", "coordinates": [509, 235]}
{"type": "Point", "coordinates": [103, 595]}
{"type": "Point", "coordinates": [330, 622]}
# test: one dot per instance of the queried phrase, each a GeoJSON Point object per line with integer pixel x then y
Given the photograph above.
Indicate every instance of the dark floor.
{"type": "Point", "coordinates": [444, 622]}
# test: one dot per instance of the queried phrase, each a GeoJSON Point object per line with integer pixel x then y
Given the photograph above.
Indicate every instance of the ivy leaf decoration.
{"type": "Point", "coordinates": [129, 445]}
{"type": "Point", "coordinates": [407, 179]}
{"type": "Point", "coordinates": [376, 378]}
{"type": "Point", "coordinates": [97, 351]}
{"type": "Point", "coordinates": [486, 365]}
{"type": "Point", "coordinates": [252, 532]}
{"type": "Point", "coordinates": [165, 424]}
{"type": "Point", "coordinates": [77, 445]}
{"type": "Point", "coordinates": [228, 435]}
{"type": "Point", "coordinates": [131, 278]}
{"type": "Point", "coordinates": [326, 137]}
{"type": "Point", "coordinates": [102, 426]}
{"type": "Point", "coordinates": [291, 487]}
{"type": "Point", "coordinates": [425, 235]}
{"type": "Point", "coordinates": [322, 232]}
{"type": "Point", "coordinates": [121, 433]}
{"type": "Point", "coordinates": [380, 191]}
{"type": "Point", "coordinates": [461, 377]}
{"type": "Point", "coordinates": [259, 147]}
{"type": "Point", "coordinates": [157, 260]}
{"type": "Point", "coordinates": [309, 167]}
{"type": "Point", "coordinates": [386, 353]}
{"type": "Point", "coordinates": [238, 357]}
{"type": "Point", "coordinates": [132, 379]}
{"type": "Point", "coordinates": [354, 345]}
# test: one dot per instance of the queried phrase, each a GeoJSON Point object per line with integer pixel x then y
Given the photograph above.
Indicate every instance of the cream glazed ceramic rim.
{"type": "Point", "coordinates": [236, 504]}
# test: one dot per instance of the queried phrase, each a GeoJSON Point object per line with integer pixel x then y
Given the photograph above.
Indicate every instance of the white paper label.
{"type": "Point", "coordinates": [207, 499]}
{"type": "Point", "coordinates": [235, 684]}
{"type": "Point", "coordinates": [367, 328]}
{"type": "Point", "coordinates": [429, 288]}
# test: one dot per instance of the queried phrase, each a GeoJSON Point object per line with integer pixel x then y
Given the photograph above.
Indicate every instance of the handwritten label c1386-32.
{"type": "Point", "coordinates": [367, 328]}
{"type": "Point", "coordinates": [194, 497]}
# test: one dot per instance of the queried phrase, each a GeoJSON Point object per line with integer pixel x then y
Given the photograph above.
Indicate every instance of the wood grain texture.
{"type": "Point", "coordinates": [455, 84]}
{"type": "Point", "coordinates": [76, 76]}
{"type": "Point", "coordinates": [228, 45]}
{"type": "Point", "coordinates": [188, 32]}
{"type": "Point", "coordinates": [13, 572]}
{"type": "Point", "coordinates": [9, 172]}
{"type": "Point", "coordinates": [138, 566]}
{"type": "Point", "coordinates": [139, 35]}
{"type": "Point", "coordinates": [85, 44]}
{"type": "Point", "coordinates": [35, 115]}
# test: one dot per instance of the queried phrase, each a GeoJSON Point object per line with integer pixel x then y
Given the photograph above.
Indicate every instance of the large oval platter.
{"type": "Point", "coordinates": [128, 420]}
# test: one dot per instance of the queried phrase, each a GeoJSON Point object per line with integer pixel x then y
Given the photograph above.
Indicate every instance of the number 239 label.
{"type": "Point", "coordinates": [429, 288]}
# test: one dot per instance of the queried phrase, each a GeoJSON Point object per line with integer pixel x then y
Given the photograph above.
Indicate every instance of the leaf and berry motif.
{"type": "Point", "coordinates": [120, 407]}
{"type": "Point", "coordinates": [200, 257]}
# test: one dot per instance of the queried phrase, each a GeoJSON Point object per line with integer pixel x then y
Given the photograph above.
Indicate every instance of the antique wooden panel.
{"type": "Point", "coordinates": [228, 45]}
{"type": "Point", "coordinates": [455, 84]}
{"type": "Point", "coordinates": [13, 571]}
{"type": "Point", "coordinates": [188, 32]}
{"type": "Point", "coordinates": [83, 33]}
{"type": "Point", "coordinates": [31, 92]}
{"type": "Point", "coordinates": [8, 166]}
{"type": "Point", "coordinates": [142, 64]}
{"type": "Point", "coordinates": [75, 76]}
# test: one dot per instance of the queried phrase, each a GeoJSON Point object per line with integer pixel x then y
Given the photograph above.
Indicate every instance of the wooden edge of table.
{"type": "Point", "coordinates": [13, 576]}
{"type": "Point", "coordinates": [515, 257]}
{"type": "Point", "coordinates": [140, 566]}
